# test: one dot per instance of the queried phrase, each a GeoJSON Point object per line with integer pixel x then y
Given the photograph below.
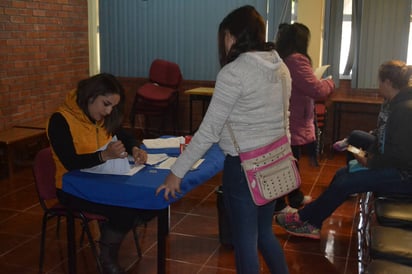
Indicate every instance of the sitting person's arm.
{"type": "Point", "coordinates": [132, 145]}
{"type": "Point", "coordinates": [127, 138]}
{"type": "Point", "coordinates": [61, 141]}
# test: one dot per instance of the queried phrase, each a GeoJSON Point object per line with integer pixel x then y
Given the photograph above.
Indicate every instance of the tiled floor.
{"type": "Point", "coordinates": [193, 243]}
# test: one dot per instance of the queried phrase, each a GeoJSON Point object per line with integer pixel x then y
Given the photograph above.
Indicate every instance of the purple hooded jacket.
{"type": "Point", "coordinates": [306, 89]}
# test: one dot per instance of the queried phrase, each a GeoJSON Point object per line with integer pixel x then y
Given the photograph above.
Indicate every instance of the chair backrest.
{"type": "Point", "coordinates": [44, 171]}
{"type": "Point", "coordinates": [165, 73]}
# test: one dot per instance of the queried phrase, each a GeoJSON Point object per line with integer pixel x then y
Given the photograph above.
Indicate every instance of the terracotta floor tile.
{"type": "Point", "coordinates": [193, 242]}
{"type": "Point", "coordinates": [207, 207]}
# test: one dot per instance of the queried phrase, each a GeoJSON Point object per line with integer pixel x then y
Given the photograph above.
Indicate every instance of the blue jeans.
{"type": "Point", "coordinates": [388, 181]}
{"type": "Point", "coordinates": [361, 139]}
{"type": "Point", "coordinates": [251, 224]}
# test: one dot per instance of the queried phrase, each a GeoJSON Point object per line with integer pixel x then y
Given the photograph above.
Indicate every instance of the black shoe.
{"type": "Point", "coordinates": [111, 267]}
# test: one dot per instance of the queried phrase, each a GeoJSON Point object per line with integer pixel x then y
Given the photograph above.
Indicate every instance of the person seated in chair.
{"type": "Point", "coordinates": [387, 163]}
{"type": "Point", "coordinates": [90, 116]}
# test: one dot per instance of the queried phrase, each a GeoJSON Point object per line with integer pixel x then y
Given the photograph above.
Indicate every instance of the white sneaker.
{"type": "Point", "coordinates": [287, 209]}
{"type": "Point", "coordinates": [341, 145]}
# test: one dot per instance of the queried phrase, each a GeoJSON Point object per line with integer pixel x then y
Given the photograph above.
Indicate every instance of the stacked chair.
{"type": "Point", "coordinates": [159, 96]}
{"type": "Point", "coordinates": [321, 114]}
{"type": "Point", "coordinates": [386, 235]}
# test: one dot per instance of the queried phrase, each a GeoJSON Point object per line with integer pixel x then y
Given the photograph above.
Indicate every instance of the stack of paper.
{"type": "Point", "coordinates": [173, 142]}
{"type": "Point", "coordinates": [170, 161]}
{"type": "Point", "coordinates": [153, 159]}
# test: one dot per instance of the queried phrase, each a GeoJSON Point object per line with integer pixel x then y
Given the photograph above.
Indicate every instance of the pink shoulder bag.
{"type": "Point", "coordinates": [271, 170]}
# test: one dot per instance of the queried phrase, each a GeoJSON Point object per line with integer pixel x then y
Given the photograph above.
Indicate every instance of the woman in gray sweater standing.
{"type": "Point", "coordinates": [249, 96]}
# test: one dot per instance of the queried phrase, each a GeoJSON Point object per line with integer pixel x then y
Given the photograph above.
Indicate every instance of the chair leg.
{"type": "Point", "coordinates": [86, 229]}
{"type": "Point", "coordinates": [58, 227]}
{"type": "Point", "coordinates": [136, 241]}
{"type": "Point", "coordinates": [42, 241]}
{"type": "Point", "coordinates": [82, 236]}
{"type": "Point", "coordinates": [176, 116]}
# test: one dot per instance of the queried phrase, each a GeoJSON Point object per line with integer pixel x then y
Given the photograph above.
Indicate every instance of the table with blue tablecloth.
{"type": "Point", "coordinates": [138, 190]}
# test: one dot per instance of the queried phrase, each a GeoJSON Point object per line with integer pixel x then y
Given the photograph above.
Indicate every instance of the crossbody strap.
{"type": "Point", "coordinates": [285, 113]}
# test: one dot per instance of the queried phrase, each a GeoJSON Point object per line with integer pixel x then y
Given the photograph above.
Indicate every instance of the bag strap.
{"type": "Point", "coordinates": [285, 113]}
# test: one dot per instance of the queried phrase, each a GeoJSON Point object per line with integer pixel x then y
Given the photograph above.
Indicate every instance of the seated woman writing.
{"type": "Point", "coordinates": [89, 119]}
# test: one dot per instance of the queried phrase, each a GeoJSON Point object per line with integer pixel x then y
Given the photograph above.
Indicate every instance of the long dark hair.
{"type": "Point", "coordinates": [292, 38]}
{"type": "Point", "coordinates": [102, 84]}
{"type": "Point", "coordinates": [248, 27]}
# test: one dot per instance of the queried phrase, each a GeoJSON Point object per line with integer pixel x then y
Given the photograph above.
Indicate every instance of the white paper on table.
{"type": "Point", "coordinates": [152, 159]}
{"type": "Point", "coordinates": [115, 167]}
{"type": "Point", "coordinates": [173, 142]}
{"type": "Point", "coordinates": [170, 161]}
{"type": "Point", "coordinates": [119, 166]}
{"type": "Point", "coordinates": [320, 71]}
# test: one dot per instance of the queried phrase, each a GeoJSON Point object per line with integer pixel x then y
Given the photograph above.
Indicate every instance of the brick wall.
{"type": "Point", "coordinates": [44, 53]}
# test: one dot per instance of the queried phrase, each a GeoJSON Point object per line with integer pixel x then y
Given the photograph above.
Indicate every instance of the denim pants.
{"type": "Point", "coordinates": [344, 183]}
{"type": "Point", "coordinates": [251, 224]}
{"type": "Point", "coordinates": [360, 139]}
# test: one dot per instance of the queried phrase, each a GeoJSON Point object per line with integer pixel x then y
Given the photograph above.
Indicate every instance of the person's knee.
{"type": "Point", "coordinates": [340, 183]}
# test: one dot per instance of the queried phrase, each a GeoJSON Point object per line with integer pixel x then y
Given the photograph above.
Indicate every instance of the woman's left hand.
{"type": "Point", "coordinates": [139, 156]}
{"type": "Point", "coordinates": [171, 186]}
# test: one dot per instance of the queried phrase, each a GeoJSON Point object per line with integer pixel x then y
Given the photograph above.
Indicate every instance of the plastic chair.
{"type": "Point", "coordinates": [321, 113]}
{"type": "Point", "coordinates": [160, 96]}
{"type": "Point", "coordinates": [44, 170]}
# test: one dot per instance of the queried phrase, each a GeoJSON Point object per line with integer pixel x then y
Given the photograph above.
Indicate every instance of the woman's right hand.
{"type": "Point", "coordinates": [114, 150]}
{"type": "Point", "coordinates": [171, 186]}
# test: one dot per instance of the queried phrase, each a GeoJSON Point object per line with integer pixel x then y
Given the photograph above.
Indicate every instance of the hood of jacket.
{"type": "Point", "coordinates": [267, 62]}
{"type": "Point", "coordinates": [71, 107]}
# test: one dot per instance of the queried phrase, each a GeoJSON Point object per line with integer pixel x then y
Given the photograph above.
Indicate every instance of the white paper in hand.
{"type": "Point", "coordinates": [119, 166]}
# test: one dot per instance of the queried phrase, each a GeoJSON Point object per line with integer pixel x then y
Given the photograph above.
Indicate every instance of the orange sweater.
{"type": "Point", "coordinates": [87, 136]}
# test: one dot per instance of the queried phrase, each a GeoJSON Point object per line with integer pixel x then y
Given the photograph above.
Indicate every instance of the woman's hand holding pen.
{"type": "Point", "coordinates": [139, 155]}
{"type": "Point", "coordinates": [114, 150]}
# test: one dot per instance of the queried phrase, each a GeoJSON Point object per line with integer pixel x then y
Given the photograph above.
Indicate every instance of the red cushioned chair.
{"type": "Point", "coordinates": [321, 113]}
{"type": "Point", "coordinates": [44, 170]}
{"type": "Point", "coordinates": [158, 97]}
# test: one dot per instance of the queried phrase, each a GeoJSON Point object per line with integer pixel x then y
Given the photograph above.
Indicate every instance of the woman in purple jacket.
{"type": "Point", "coordinates": [292, 45]}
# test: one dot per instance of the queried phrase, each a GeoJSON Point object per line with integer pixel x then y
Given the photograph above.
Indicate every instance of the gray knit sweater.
{"type": "Point", "coordinates": [248, 94]}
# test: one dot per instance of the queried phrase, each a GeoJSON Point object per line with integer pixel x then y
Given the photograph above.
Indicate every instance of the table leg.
{"type": "Point", "coordinates": [203, 107]}
{"type": "Point", "coordinates": [9, 155]}
{"type": "Point", "coordinates": [336, 121]}
{"type": "Point", "coordinates": [71, 243]}
{"type": "Point", "coordinates": [162, 231]}
{"type": "Point", "coordinates": [190, 113]}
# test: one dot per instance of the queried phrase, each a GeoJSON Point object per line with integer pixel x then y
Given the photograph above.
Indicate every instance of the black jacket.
{"type": "Point", "coordinates": [397, 150]}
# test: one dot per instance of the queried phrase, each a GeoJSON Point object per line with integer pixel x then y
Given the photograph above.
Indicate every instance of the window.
{"type": "Point", "coordinates": [409, 58]}
{"type": "Point", "coordinates": [346, 35]}
{"type": "Point", "coordinates": [346, 38]}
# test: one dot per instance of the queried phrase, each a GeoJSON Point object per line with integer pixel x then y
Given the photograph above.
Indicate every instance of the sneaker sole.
{"type": "Point", "coordinates": [310, 236]}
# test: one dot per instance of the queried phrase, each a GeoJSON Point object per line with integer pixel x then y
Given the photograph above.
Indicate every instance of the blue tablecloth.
{"type": "Point", "coordinates": [138, 191]}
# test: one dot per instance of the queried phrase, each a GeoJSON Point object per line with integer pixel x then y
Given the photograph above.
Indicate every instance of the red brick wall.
{"type": "Point", "coordinates": [44, 53]}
